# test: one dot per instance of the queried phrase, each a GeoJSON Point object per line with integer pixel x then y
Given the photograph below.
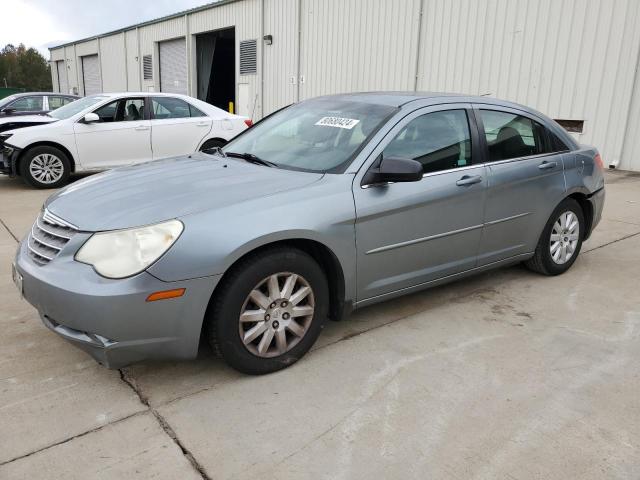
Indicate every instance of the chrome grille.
{"type": "Point", "coordinates": [47, 237]}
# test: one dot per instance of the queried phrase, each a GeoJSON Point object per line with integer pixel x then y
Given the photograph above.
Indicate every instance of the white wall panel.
{"type": "Point", "coordinates": [356, 45]}
{"type": "Point", "coordinates": [570, 59]}
{"type": "Point", "coordinates": [112, 63]}
{"type": "Point", "coordinates": [133, 61]}
{"type": "Point", "coordinates": [280, 58]}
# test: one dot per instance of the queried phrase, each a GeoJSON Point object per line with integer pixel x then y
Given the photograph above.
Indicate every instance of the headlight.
{"type": "Point", "coordinates": [122, 253]}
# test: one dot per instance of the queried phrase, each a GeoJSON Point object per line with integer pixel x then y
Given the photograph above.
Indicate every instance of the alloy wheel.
{"type": "Point", "coordinates": [46, 168]}
{"type": "Point", "coordinates": [564, 237]}
{"type": "Point", "coordinates": [276, 314]}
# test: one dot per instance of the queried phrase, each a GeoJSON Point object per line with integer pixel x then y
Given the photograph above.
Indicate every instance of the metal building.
{"type": "Point", "coordinates": [575, 60]}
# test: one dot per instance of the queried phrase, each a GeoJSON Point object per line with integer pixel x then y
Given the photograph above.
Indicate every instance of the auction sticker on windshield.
{"type": "Point", "coordinates": [338, 122]}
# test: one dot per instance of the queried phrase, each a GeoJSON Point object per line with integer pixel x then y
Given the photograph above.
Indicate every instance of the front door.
{"type": "Point", "coordinates": [412, 233]}
{"type": "Point", "coordinates": [121, 137]}
{"type": "Point", "coordinates": [526, 182]}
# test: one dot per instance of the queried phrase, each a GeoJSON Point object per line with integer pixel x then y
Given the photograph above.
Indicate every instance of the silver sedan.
{"type": "Point", "coordinates": [323, 207]}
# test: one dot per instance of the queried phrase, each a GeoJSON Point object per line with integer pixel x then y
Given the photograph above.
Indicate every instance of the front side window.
{"type": "Point", "coordinates": [319, 135]}
{"type": "Point", "coordinates": [512, 136]}
{"type": "Point", "coordinates": [27, 104]}
{"type": "Point", "coordinates": [122, 110]}
{"type": "Point", "coordinates": [438, 140]}
{"type": "Point", "coordinates": [169, 107]}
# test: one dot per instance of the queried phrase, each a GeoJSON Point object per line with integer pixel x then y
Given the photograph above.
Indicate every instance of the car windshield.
{"type": "Point", "coordinates": [320, 135]}
{"type": "Point", "coordinates": [7, 100]}
{"type": "Point", "coordinates": [72, 108]}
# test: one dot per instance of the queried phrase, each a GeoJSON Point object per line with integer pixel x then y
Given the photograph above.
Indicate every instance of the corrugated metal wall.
{"type": "Point", "coordinates": [112, 63]}
{"type": "Point", "coordinates": [570, 59]}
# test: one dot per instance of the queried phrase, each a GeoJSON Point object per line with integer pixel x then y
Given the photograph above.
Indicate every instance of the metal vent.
{"type": "Point", "coordinates": [248, 57]}
{"type": "Point", "coordinates": [147, 67]}
{"type": "Point", "coordinates": [47, 237]}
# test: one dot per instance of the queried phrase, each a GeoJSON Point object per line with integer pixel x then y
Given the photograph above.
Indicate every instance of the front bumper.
{"type": "Point", "coordinates": [8, 159]}
{"type": "Point", "coordinates": [110, 319]}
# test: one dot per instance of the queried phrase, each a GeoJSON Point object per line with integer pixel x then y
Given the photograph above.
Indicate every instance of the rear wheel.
{"type": "Point", "coordinates": [561, 240]}
{"type": "Point", "coordinates": [45, 167]}
{"type": "Point", "coordinates": [269, 311]}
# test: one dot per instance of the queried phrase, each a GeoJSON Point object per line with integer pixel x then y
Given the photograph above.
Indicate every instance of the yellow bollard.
{"type": "Point", "coordinates": [230, 107]}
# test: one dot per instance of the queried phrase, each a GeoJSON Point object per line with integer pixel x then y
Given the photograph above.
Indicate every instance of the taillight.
{"type": "Point", "coordinates": [598, 161]}
{"type": "Point", "coordinates": [248, 122]}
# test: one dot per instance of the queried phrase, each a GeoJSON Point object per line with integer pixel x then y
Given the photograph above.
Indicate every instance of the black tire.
{"type": "Point", "coordinates": [542, 260]}
{"type": "Point", "coordinates": [212, 143]}
{"type": "Point", "coordinates": [222, 323]}
{"type": "Point", "coordinates": [29, 157]}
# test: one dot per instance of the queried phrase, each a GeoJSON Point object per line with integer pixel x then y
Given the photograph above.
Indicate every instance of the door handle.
{"type": "Point", "coordinates": [202, 124]}
{"type": "Point", "coordinates": [467, 180]}
{"type": "Point", "coordinates": [547, 165]}
{"type": "Point", "coordinates": [142, 127]}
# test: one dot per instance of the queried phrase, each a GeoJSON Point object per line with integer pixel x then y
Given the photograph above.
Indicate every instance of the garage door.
{"type": "Point", "coordinates": [91, 75]}
{"type": "Point", "coordinates": [173, 66]}
{"type": "Point", "coordinates": [63, 86]}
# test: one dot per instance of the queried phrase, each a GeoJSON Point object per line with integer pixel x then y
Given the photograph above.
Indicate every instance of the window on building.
{"type": "Point", "coordinates": [438, 140]}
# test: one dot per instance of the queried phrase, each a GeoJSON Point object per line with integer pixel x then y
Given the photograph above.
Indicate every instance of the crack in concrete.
{"type": "Point", "coordinates": [9, 230]}
{"type": "Point", "coordinates": [164, 424]}
{"type": "Point", "coordinates": [612, 242]}
{"type": "Point", "coordinates": [67, 440]}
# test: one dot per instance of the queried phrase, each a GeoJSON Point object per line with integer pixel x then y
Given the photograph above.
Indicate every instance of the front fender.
{"type": "Point", "coordinates": [214, 240]}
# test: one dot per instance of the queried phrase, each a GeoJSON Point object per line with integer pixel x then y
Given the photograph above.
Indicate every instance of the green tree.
{"type": "Point", "coordinates": [23, 67]}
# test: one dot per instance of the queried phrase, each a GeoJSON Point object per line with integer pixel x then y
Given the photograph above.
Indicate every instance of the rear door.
{"type": "Point", "coordinates": [526, 181]}
{"type": "Point", "coordinates": [412, 233]}
{"type": "Point", "coordinates": [121, 137]}
{"type": "Point", "coordinates": [177, 127]}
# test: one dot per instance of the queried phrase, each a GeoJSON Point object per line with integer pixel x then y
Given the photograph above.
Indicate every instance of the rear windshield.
{"type": "Point", "coordinates": [320, 135]}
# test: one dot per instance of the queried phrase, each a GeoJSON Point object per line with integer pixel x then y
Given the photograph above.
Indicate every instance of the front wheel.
{"type": "Point", "coordinates": [45, 167]}
{"type": "Point", "coordinates": [561, 240]}
{"type": "Point", "coordinates": [269, 310]}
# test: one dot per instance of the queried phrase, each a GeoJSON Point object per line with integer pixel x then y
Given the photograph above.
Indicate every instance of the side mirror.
{"type": "Point", "coordinates": [8, 110]}
{"type": "Point", "coordinates": [91, 118]}
{"type": "Point", "coordinates": [393, 169]}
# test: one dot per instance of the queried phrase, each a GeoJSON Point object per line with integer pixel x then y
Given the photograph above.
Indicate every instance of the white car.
{"type": "Point", "coordinates": [110, 130]}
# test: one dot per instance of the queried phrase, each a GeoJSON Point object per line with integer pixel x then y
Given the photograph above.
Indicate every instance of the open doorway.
{"type": "Point", "coordinates": [216, 67]}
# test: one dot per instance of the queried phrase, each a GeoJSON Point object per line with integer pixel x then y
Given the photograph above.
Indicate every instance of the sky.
{"type": "Point", "coordinates": [45, 23]}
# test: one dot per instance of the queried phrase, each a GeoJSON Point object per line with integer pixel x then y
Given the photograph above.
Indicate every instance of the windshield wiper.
{"type": "Point", "coordinates": [251, 158]}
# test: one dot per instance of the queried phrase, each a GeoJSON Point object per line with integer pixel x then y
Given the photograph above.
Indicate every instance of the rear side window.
{"type": "Point", "coordinates": [438, 140]}
{"type": "Point", "coordinates": [57, 102]}
{"type": "Point", "coordinates": [169, 107]}
{"type": "Point", "coordinates": [512, 136]}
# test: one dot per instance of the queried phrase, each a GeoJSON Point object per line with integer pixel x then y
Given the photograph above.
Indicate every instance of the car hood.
{"type": "Point", "coordinates": [156, 191]}
{"type": "Point", "coordinates": [27, 119]}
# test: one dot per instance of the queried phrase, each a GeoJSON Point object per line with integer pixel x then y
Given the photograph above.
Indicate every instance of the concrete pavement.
{"type": "Point", "coordinates": [504, 375]}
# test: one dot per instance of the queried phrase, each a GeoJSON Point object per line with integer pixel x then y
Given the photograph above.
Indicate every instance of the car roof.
{"type": "Point", "coordinates": [398, 99]}
{"type": "Point", "coordinates": [27, 94]}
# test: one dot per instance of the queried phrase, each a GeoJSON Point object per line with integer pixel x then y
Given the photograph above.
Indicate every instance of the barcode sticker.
{"type": "Point", "coordinates": [338, 122]}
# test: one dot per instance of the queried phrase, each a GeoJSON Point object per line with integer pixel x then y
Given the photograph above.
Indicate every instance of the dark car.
{"type": "Point", "coordinates": [29, 109]}
{"type": "Point", "coordinates": [33, 103]}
